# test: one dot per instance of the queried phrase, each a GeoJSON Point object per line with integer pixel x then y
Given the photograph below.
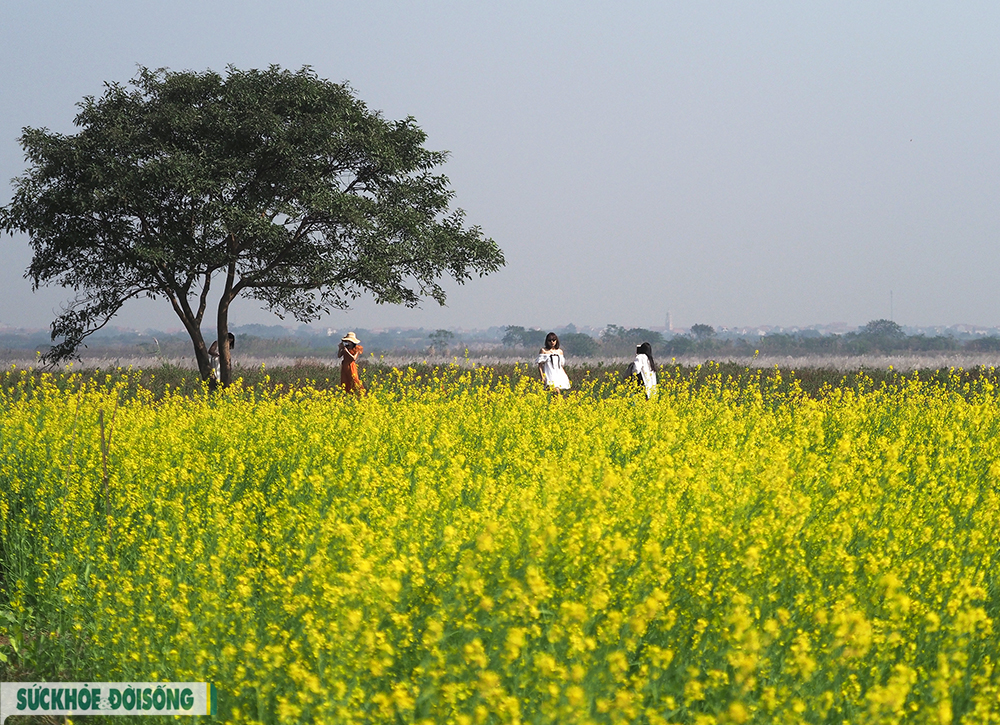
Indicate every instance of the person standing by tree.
{"type": "Point", "coordinates": [349, 351]}
{"type": "Point", "coordinates": [551, 365]}
{"type": "Point", "coordinates": [213, 352]}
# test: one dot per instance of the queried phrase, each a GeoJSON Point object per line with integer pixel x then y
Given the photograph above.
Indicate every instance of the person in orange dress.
{"type": "Point", "coordinates": [349, 351]}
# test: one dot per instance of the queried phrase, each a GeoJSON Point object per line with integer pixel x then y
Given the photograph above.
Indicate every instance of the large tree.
{"type": "Point", "coordinates": [282, 185]}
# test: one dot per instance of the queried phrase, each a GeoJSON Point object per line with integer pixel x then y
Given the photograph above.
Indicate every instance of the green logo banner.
{"type": "Point", "coordinates": [106, 698]}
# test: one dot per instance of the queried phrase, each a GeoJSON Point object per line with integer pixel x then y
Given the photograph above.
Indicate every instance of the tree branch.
{"type": "Point", "coordinates": [203, 302]}
{"type": "Point", "coordinates": [248, 280]}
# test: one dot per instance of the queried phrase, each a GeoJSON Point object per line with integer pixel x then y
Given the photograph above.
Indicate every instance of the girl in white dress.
{"type": "Point", "coordinates": [551, 362]}
{"type": "Point", "coordinates": [643, 369]}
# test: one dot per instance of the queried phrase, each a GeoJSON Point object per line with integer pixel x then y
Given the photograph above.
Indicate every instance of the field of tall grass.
{"type": "Point", "coordinates": [461, 547]}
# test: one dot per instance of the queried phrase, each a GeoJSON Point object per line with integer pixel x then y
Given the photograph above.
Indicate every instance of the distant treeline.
{"type": "Point", "coordinates": [514, 342]}
{"type": "Point", "coordinates": [256, 341]}
{"type": "Point", "coordinates": [878, 336]}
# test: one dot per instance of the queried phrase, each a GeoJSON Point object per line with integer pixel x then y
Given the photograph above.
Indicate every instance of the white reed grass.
{"type": "Point", "coordinates": [901, 362]}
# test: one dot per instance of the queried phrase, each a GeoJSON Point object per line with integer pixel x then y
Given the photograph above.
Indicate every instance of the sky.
{"type": "Point", "coordinates": [731, 163]}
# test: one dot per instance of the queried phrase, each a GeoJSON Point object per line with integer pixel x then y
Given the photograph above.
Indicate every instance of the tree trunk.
{"type": "Point", "coordinates": [192, 324]}
{"type": "Point", "coordinates": [202, 357]}
{"type": "Point", "coordinates": [225, 360]}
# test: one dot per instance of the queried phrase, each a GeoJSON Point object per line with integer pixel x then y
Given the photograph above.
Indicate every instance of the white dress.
{"type": "Point", "coordinates": [642, 368]}
{"type": "Point", "coordinates": [552, 362]}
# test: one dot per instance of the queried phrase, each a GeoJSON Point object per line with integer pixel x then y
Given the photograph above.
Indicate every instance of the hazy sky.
{"type": "Point", "coordinates": [735, 163]}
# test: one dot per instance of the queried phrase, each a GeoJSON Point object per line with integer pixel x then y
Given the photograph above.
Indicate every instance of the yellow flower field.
{"type": "Point", "coordinates": [463, 552]}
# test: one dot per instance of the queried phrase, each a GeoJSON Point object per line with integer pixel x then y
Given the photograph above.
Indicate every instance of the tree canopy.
{"type": "Point", "coordinates": [702, 332]}
{"type": "Point", "coordinates": [283, 185]}
{"type": "Point", "coordinates": [518, 335]}
{"type": "Point", "coordinates": [883, 328]}
{"type": "Point", "coordinates": [622, 341]}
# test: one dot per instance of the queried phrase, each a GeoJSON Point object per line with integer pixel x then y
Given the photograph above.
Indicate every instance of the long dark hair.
{"type": "Point", "coordinates": [647, 350]}
{"type": "Point", "coordinates": [552, 341]}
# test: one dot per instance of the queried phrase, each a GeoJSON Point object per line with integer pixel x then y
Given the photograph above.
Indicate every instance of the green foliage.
{"type": "Point", "coordinates": [621, 342]}
{"type": "Point", "coordinates": [984, 344]}
{"type": "Point", "coordinates": [702, 332]}
{"type": "Point", "coordinates": [283, 184]}
{"type": "Point", "coordinates": [440, 339]}
{"type": "Point", "coordinates": [574, 344]}
{"type": "Point", "coordinates": [579, 344]}
{"type": "Point", "coordinates": [613, 334]}
{"type": "Point", "coordinates": [516, 335]}
{"type": "Point", "coordinates": [883, 328]}
{"type": "Point", "coordinates": [442, 336]}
